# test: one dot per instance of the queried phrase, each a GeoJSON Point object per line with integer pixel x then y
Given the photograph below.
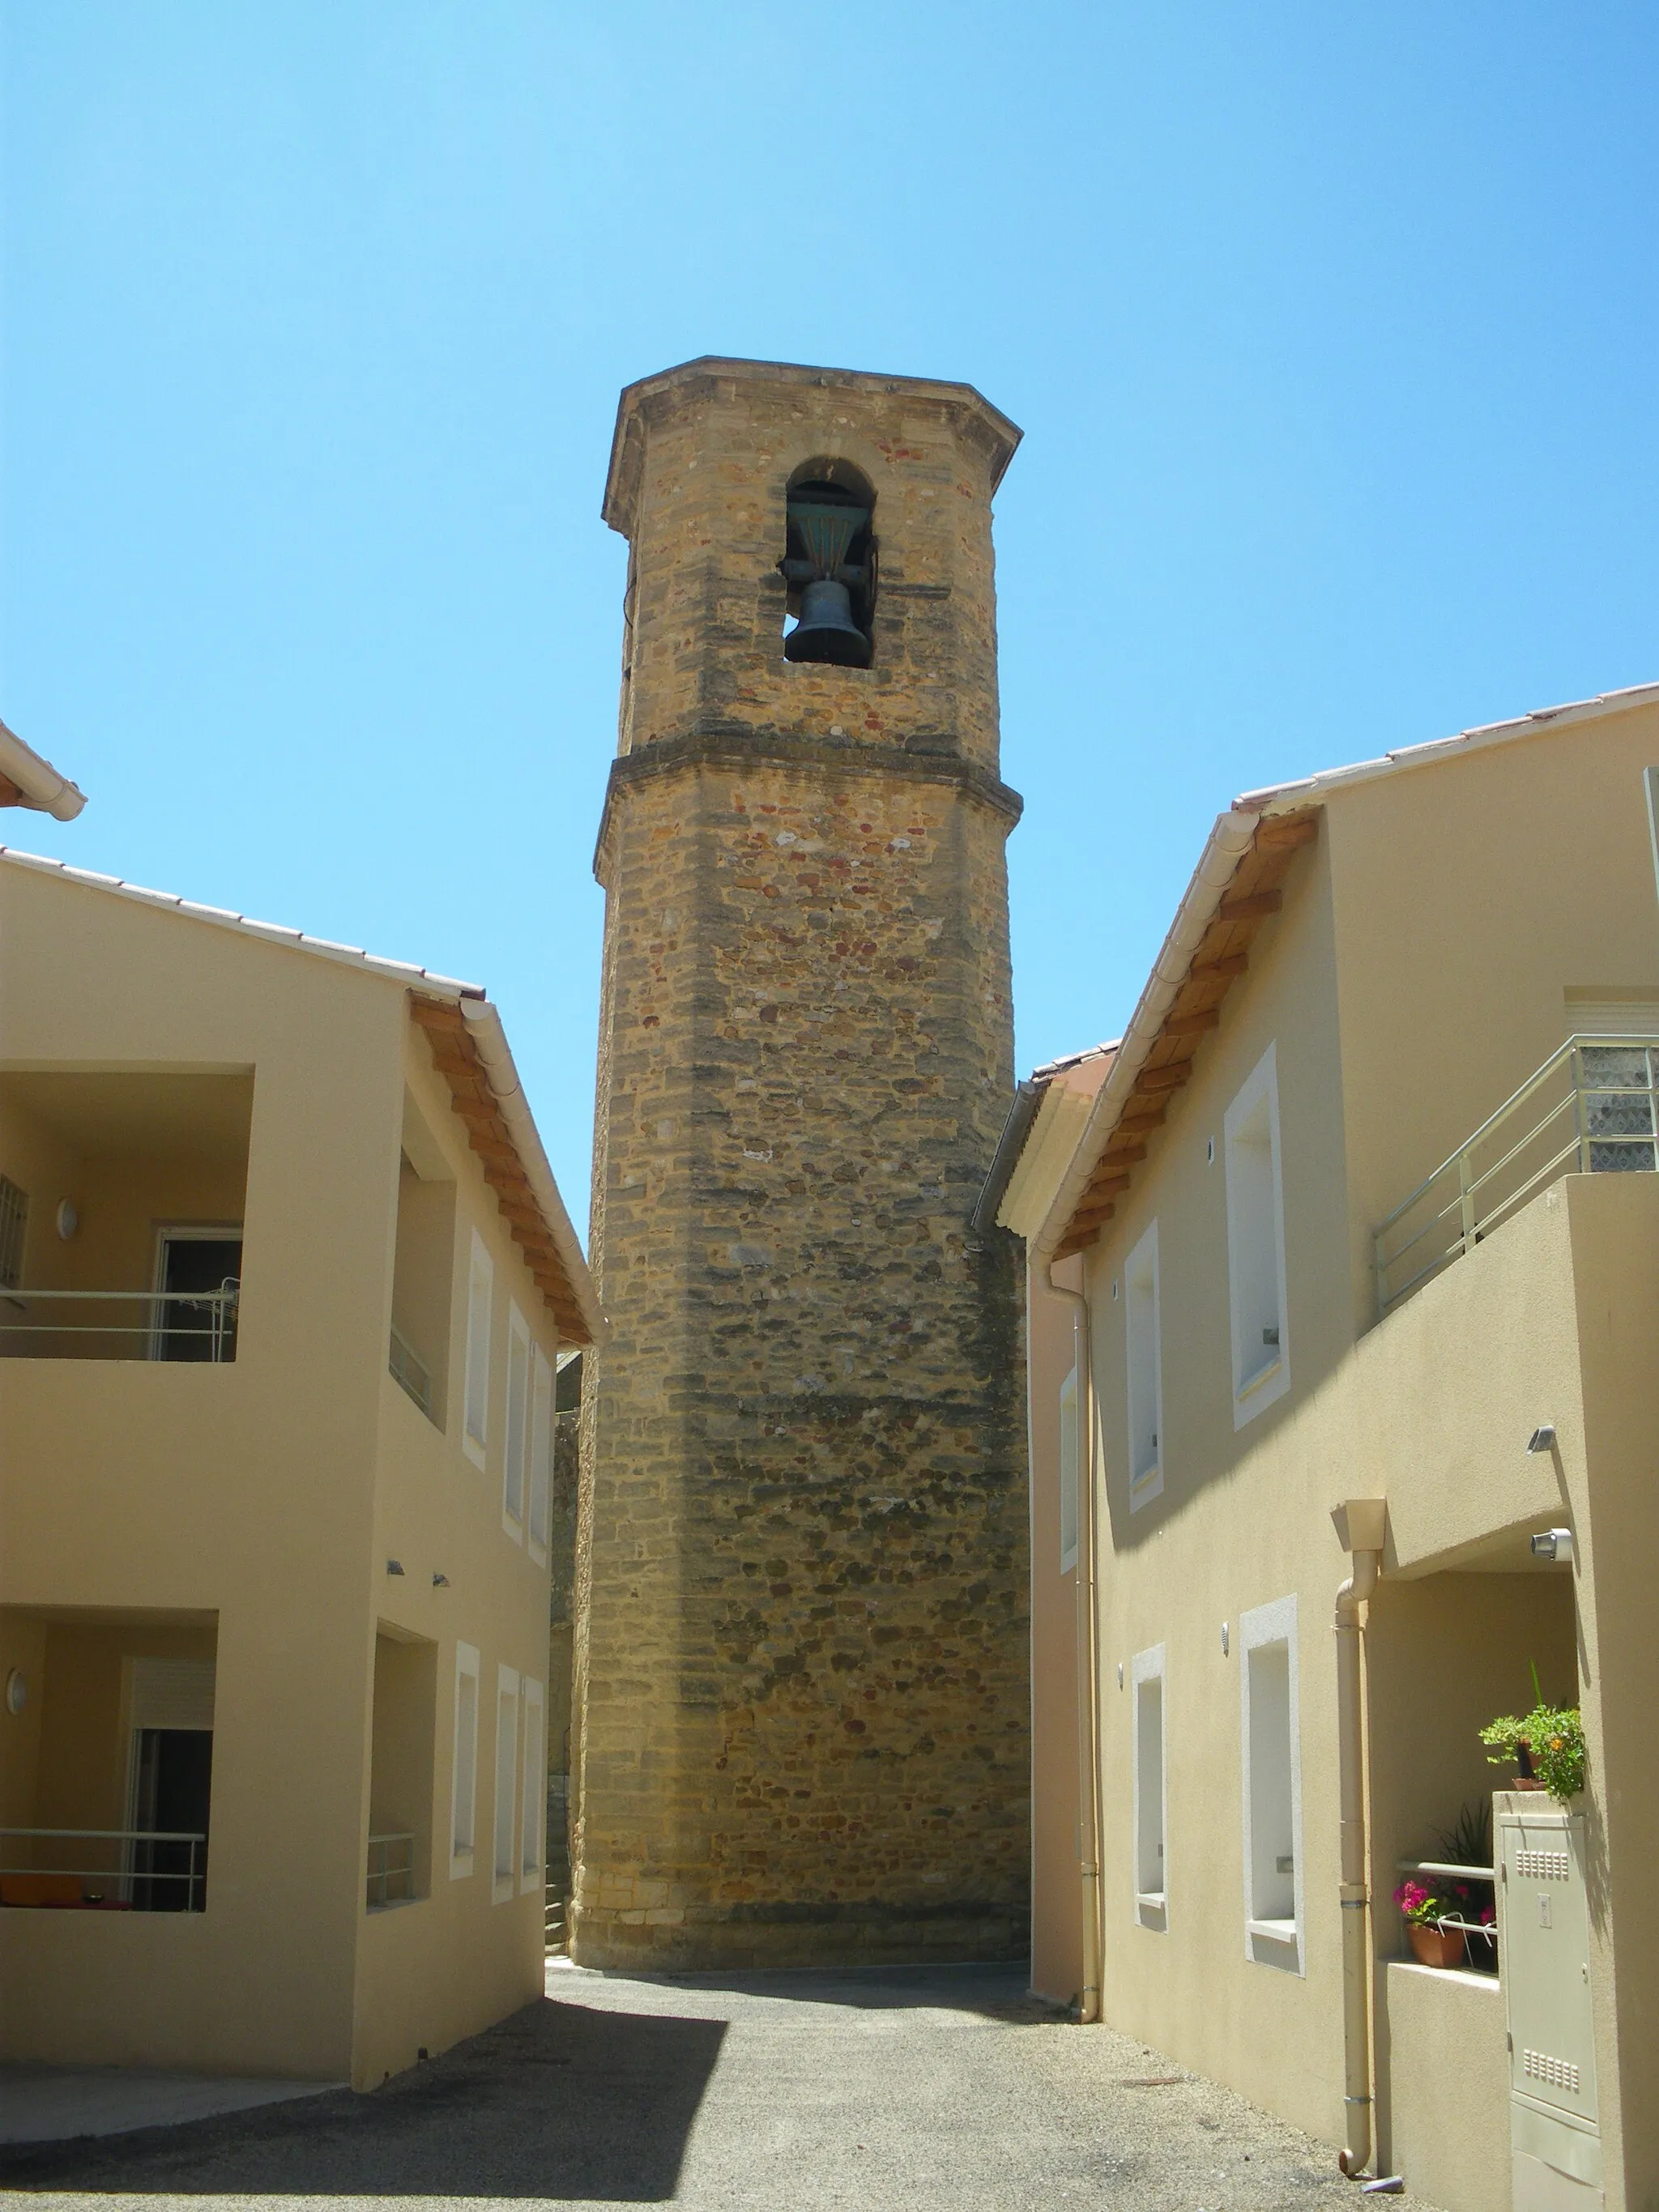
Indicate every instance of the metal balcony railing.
{"type": "Point", "coordinates": [390, 1870]}
{"type": "Point", "coordinates": [1481, 1937]}
{"type": "Point", "coordinates": [137, 1864]}
{"type": "Point", "coordinates": [188, 1325]}
{"type": "Point", "coordinates": [408, 1371]}
{"type": "Point", "coordinates": [1590, 1109]}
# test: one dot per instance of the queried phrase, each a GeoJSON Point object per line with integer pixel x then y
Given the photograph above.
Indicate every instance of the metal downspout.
{"type": "Point", "coordinates": [1355, 1888]}
{"type": "Point", "coordinates": [1088, 1661]}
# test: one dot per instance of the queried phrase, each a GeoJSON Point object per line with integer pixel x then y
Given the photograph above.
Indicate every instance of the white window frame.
{"type": "Point", "coordinates": [1151, 1906]}
{"type": "Point", "coordinates": [542, 1375]}
{"type": "Point", "coordinates": [1257, 1382]}
{"type": "Point", "coordinates": [464, 1769]}
{"type": "Point", "coordinates": [480, 1322]}
{"type": "Point", "coordinates": [1146, 1481]}
{"type": "Point", "coordinates": [516, 1443]}
{"type": "Point", "coordinates": [532, 1810]}
{"type": "Point", "coordinates": [1071, 1462]}
{"type": "Point", "coordinates": [1271, 1942]}
{"type": "Point", "coordinates": [504, 1854]}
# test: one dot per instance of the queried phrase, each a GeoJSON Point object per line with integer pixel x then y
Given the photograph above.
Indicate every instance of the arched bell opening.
{"type": "Point", "coordinates": [829, 565]}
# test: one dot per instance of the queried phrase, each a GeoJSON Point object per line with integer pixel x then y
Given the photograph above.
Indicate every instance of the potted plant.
{"type": "Point", "coordinates": [1432, 1945]}
{"type": "Point", "coordinates": [1469, 1897]}
{"type": "Point", "coordinates": [1546, 1747]}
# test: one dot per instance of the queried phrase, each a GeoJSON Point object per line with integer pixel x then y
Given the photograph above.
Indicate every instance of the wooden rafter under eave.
{"type": "Point", "coordinates": [1220, 958]}
{"type": "Point", "coordinates": [456, 1059]}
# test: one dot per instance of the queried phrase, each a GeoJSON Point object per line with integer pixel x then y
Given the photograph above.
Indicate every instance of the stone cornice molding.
{"type": "Point", "coordinates": [653, 396]}
{"type": "Point", "coordinates": [733, 745]}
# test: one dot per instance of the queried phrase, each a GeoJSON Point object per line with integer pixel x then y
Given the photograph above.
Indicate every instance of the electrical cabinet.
{"type": "Point", "coordinates": [1544, 1930]}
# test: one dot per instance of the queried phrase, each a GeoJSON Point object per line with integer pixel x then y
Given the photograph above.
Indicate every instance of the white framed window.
{"type": "Point", "coordinates": [533, 1811]}
{"type": "Point", "coordinates": [1143, 1366]}
{"type": "Point", "coordinates": [1272, 1793]}
{"type": "Point", "coordinates": [1070, 1472]}
{"type": "Point", "coordinates": [515, 1456]}
{"type": "Point", "coordinates": [1150, 1789]}
{"type": "Point", "coordinates": [480, 1303]}
{"type": "Point", "coordinates": [464, 1779]}
{"type": "Point", "coordinates": [505, 1860]}
{"type": "Point", "coordinates": [1255, 1245]}
{"type": "Point", "coordinates": [541, 1453]}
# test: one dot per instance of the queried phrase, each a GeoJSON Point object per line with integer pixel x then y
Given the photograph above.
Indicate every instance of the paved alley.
{"type": "Point", "coordinates": [944, 2090]}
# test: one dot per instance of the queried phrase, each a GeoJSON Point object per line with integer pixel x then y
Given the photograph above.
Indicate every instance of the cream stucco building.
{"type": "Point", "coordinates": [284, 1281]}
{"type": "Point", "coordinates": [1336, 1284]}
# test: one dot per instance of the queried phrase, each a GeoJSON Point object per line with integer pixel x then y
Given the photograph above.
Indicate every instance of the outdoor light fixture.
{"type": "Point", "coordinates": [1542, 1438]}
{"type": "Point", "coordinates": [17, 1689]}
{"type": "Point", "coordinates": [441, 1582]}
{"type": "Point", "coordinates": [1226, 1639]}
{"type": "Point", "coordinates": [68, 1219]}
{"type": "Point", "coordinates": [1119, 1674]}
{"type": "Point", "coordinates": [394, 1566]}
{"type": "Point", "coordinates": [1553, 1544]}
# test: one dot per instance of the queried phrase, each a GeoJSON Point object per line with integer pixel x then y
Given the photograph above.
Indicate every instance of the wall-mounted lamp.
{"type": "Point", "coordinates": [1209, 1152]}
{"type": "Point", "coordinates": [394, 1566]}
{"type": "Point", "coordinates": [68, 1219]}
{"type": "Point", "coordinates": [1226, 1639]}
{"type": "Point", "coordinates": [1119, 1674]}
{"type": "Point", "coordinates": [1542, 1438]}
{"type": "Point", "coordinates": [441, 1582]}
{"type": "Point", "coordinates": [1553, 1544]}
{"type": "Point", "coordinates": [17, 1689]}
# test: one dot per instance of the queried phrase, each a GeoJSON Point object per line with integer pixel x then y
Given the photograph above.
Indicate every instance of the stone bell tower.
{"type": "Point", "coordinates": [801, 1732]}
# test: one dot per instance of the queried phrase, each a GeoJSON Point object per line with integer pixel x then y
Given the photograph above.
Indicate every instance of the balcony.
{"type": "Point", "coordinates": [1590, 1109]}
{"type": "Point", "coordinates": [107, 1758]}
{"type": "Point", "coordinates": [121, 1204]}
{"type": "Point", "coordinates": [189, 1325]}
{"type": "Point", "coordinates": [135, 1869]}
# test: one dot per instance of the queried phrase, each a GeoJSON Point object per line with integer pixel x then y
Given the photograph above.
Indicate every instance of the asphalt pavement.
{"type": "Point", "coordinates": [943, 2089]}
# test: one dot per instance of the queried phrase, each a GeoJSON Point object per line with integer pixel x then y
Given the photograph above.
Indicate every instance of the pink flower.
{"type": "Point", "coordinates": [1411, 1897]}
{"type": "Point", "coordinates": [1488, 1917]}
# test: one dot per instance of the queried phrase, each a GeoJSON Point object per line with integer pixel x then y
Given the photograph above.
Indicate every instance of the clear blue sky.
{"type": "Point", "coordinates": [1334, 331]}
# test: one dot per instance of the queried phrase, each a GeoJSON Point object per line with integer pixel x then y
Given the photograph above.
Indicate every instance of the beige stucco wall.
{"type": "Point", "coordinates": [1440, 2051]}
{"type": "Point", "coordinates": [1470, 896]}
{"type": "Point", "coordinates": [270, 1493]}
{"type": "Point", "coordinates": [1056, 1906]}
{"type": "Point", "coordinates": [1417, 974]}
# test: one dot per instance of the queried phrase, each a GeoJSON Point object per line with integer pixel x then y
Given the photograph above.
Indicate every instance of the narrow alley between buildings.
{"type": "Point", "coordinates": [925, 2089]}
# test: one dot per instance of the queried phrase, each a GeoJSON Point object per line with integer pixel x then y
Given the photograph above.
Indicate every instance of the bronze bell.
{"type": "Point", "coordinates": [824, 523]}
{"type": "Point", "coordinates": [826, 630]}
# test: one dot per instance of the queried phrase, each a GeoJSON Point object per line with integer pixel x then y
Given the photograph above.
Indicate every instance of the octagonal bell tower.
{"type": "Point", "coordinates": [801, 1701]}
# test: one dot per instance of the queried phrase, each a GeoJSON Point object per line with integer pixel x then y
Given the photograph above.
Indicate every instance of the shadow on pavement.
{"type": "Point", "coordinates": [557, 2102]}
{"type": "Point", "coordinates": [996, 1992]}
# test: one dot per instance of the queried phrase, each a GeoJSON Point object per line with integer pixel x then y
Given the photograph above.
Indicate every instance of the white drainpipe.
{"type": "Point", "coordinates": [1361, 1524]}
{"type": "Point", "coordinates": [1088, 1657]}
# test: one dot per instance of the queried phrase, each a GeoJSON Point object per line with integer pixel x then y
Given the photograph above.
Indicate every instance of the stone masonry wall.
{"type": "Point", "coordinates": [800, 1632]}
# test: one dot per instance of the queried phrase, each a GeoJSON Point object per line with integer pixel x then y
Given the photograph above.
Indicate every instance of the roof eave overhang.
{"type": "Point", "coordinates": [1087, 1197]}
{"type": "Point", "coordinates": [469, 1049]}
{"type": "Point", "coordinates": [27, 780]}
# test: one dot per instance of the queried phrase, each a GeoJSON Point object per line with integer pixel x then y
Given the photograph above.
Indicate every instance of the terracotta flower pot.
{"type": "Point", "coordinates": [1527, 1782]}
{"type": "Point", "coordinates": [1435, 1946]}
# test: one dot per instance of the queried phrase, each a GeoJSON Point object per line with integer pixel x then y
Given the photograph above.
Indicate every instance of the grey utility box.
{"type": "Point", "coordinates": [1544, 1930]}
